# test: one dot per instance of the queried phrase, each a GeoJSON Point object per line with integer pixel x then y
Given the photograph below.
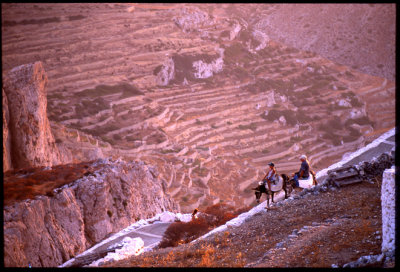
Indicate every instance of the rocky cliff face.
{"type": "Point", "coordinates": [6, 134]}
{"type": "Point", "coordinates": [31, 142]}
{"type": "Point", "coordinates": [47, 231]}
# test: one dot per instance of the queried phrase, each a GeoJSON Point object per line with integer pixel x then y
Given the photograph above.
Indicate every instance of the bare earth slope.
{"type": "Point", "coordinates": [200, 91]}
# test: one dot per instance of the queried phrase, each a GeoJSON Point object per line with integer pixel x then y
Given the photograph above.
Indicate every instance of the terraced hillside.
{"type": "Point", "coordinates": [196, 90]}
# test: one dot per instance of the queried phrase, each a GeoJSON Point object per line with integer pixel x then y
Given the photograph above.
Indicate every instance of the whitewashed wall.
{"type": "Point", "coordinates": [388, 210]}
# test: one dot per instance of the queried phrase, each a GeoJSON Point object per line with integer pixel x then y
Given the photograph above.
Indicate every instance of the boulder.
{"type": "Point", "coordinates": [167, 73]}
{"type": "Point", "coordinates": [191, 19]}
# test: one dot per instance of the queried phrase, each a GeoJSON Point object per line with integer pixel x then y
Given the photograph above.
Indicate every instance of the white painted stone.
{"type": "Point", "coordinates": [306, 183]}
{"type": "Point", "coordinates": [167, 217]}
{"type": "Point", "coordinates": [388, 210]}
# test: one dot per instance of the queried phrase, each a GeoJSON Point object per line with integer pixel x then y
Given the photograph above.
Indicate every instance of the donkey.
{"type": "Point", "coordinates": [283, 183]}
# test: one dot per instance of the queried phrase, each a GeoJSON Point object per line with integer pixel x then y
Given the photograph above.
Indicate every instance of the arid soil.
{"type": "Point", "coordinates": [334, 227]}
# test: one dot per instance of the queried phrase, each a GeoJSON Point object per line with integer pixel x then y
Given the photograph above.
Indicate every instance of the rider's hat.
{"type": "Point", "coordinates": [303, 157]}
{"type": "Point", "coordinates": [271, 164]}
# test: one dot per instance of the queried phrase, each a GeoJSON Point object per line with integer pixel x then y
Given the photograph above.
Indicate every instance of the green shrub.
{"type": "Point", "coordinates": [348, 94]}
{"type": "Point", "coordinates": [109, 213]}
{"type": "Point", "coordinates": [251, 126]}
{"type": "Point", "coordinates": [364, 120]}
{"type": "Point", "coordinates": [117, 137]}
{"type": "Point", "coordinates": [335, 123]}
{"type": "Point", "coordinates": [236, 53]}
{"type": "Point", "coordinates": [337, 141]}
{"type": "Point", "coordinates": [76, 17]}
{"type": "Point", "coordinates": [102, 90]}
{"type": "Point", "coordinates": [354, 132]}
{"type": "Point", "coordinates": [32, 21]}
{"type": "Point", "coordinates": [166, 151]}
{"type": "Point", "coordinates": [290, 117]}
{"type": "Point", "coordinates": [202, 172]}
{"type": "Point", "coordinates": [330, 134]}
{"type": "Point", "coordinates": [225, 34]}
{"type": "Point", "coordinates": [295, 139]}
{"type": "Point", "coordinates": [157, 70]}
{"type": "Point", "coordinates": [132, 138]}
{"type": "Point", "coordinates": [349, 138]}
{"type": "Point", "coordinates": [129, 90]}
{"type": "Point", "coordinates": [355, 102]}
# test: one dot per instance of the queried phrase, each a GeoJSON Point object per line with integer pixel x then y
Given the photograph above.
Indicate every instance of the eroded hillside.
{"type": "Point", "coordinates": [196, 90]}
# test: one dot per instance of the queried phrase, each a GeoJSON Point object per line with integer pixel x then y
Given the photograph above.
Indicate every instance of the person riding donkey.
{"type": "Point", "coordinates": [270, 176]}
{"type": "Point", "coordinates": [304, 171]}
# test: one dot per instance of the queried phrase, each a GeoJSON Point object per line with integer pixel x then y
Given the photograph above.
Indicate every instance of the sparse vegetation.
{"type": "Point", "coordinates": [182, 232]}
{"type": "Point", "coordinates": [364, 120]}
{"type": "Point", "coordinates": [291, 117]}
{"type": "Point", "coordinates": [32, 21]}
{"type": "Point", "coordinates": [76, 17]}
{"type": "Point", "coordinates": [109, 213]}
{"type": "Point", "coordinates": [200, 171]}
{"type": "Point", "coordinates": [21, 184]}
{"type": "Point", "coordinates": [103, 90]}
{"type": "Point", "coordinates": [252, 126]}
{"type": "Point", "coordinates": [90, 107]}
{"type": "Point", "coordinates": [174, 150]}
{"type": "Point", "coordinates": [236, 53]}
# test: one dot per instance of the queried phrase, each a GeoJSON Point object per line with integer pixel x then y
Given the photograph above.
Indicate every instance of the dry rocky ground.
{"type": "Point", "coordinates": [331, 227]}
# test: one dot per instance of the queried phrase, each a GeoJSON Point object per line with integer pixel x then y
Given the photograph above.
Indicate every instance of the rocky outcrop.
{"type": "Point", "coordinates": [206, 70]}
{"type": "Point", "coordinates": [191, 19]}
{"type": "Point", "coordinates": [6, 134]}
{"type": "Point", "coordinates": [184, 68]}
{"type": "Point", "coordinates": [32, 143]}
{"type": "Point", "coordinates": [48, 231]}
{"type": "Point", "coordinates": [166, 73]}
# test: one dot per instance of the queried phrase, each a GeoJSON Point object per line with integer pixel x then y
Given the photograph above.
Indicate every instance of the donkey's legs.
{"type": "Point", "coordinates": [267, 201]}
{"type": "Point", "coordinates": [258, 196]}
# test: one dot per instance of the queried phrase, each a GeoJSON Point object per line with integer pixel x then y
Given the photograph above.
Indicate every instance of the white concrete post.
{"type": "Point", "coordinates": [388, 210]}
